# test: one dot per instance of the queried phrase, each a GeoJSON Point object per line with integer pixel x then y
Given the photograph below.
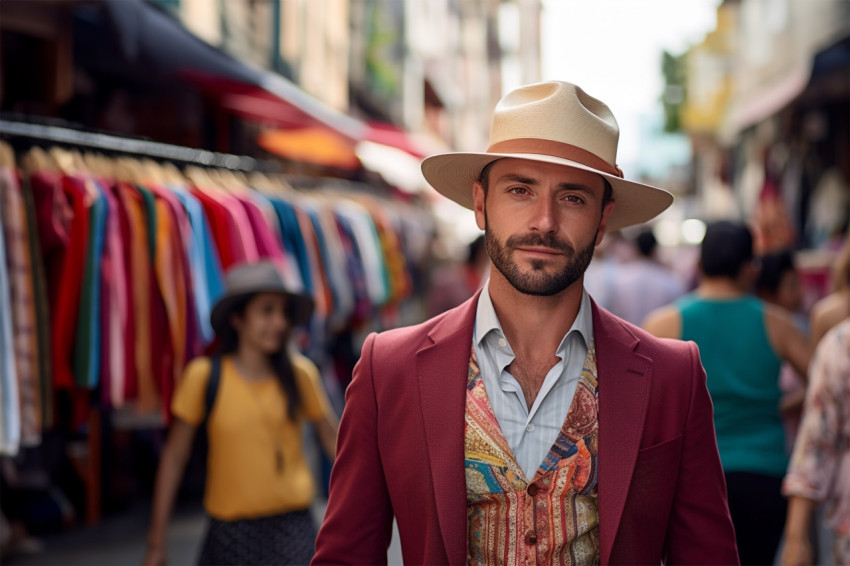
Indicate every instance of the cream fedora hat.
{"type": "Point", "coordinates": [554, 122]}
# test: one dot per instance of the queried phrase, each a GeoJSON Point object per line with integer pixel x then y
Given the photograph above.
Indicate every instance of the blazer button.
{"type": "Point", "coordinates": [531, 489]}
{"type": "Point", "coordinates": [531, 538]}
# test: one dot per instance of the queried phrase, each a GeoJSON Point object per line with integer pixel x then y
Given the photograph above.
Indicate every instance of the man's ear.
{"type": "Point", "coordinates": [478, 198]}
{"type": "Point", "coordinates": [607, 210]}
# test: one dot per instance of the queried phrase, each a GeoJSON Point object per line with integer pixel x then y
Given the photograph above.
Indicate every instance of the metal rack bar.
{"type": "Point", "coordinates": [59, 134]}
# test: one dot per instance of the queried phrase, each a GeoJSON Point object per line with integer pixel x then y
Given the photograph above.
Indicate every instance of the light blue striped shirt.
{"type": "Point", "coordinates": [530, 433]}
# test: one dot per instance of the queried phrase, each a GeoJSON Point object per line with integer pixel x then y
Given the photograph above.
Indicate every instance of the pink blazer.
{"type": "Point", "coordinates": [662, 494]}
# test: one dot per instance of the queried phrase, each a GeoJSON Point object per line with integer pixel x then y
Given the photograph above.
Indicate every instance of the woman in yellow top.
{"type": "Point", "coordinates": [259, 487]}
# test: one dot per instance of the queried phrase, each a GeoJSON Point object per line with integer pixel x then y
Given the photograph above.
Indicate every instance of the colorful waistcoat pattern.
{"type": "Point", "coordinates": [553, 518]}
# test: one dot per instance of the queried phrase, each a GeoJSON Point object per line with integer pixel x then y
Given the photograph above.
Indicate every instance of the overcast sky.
{"type": "Point", "coordinates": [612, 49]}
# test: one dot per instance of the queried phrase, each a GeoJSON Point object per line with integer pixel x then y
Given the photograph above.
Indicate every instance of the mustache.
{"type": "Point", "coordinates": [539, 240]}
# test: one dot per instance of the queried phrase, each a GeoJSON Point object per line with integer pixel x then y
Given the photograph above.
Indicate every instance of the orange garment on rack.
{"type": "Point", "coordinates": [144, 392]}
{"type": "Point", "coordinates": [400, 285]}
{"type": "Point", "coordinates": [171, 273]}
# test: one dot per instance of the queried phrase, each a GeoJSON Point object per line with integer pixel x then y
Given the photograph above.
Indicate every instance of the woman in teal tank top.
{"type": "Point", "coordinates": [742, 342]}
{"type": "Point", "coordinates": [743, 378]}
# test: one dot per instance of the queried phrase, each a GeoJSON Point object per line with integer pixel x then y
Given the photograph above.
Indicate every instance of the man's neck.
{"type": "Point", "coordinates": [534, 325]}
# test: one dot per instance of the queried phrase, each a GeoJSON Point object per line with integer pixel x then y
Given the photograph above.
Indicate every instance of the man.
{"type": "Point", "coordinates": [743, 342]}
{"type": "Point", "coordinates": [527, 425]}
{"type": "Point", "coordinates": [644, 284]}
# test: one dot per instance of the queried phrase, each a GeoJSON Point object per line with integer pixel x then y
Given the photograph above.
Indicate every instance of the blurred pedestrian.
{"type": "Point", "coordinates": [834, 307]}
{"type": "Point", "coordinates": [820, 466]}
{"type": "Point", "coordinates": [778, 283]}
{"type": "Point", "coordinates": [644, 283]}
{"type": "Point", "coordinates": [601, 276]}
{"type": "Point", "coordinates": [454, 283]}
{"type": "Point", "coordinates": [742, 342]}
{"type": "Point", "coordinates": [528, 425]}
{"type": "Point", "coordinates": [259, 487]}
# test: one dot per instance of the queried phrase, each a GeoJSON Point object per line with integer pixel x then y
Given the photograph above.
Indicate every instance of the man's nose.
{"type": "Point", "coordinates": [545, 216]}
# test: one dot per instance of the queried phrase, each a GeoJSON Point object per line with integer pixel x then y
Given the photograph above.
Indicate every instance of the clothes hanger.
{"type": "Point", "coordinates": [174, 175]}
{"type": "Point", "coordinates": [129, 171]}
{"type": "Point", "coordinates": [7, 155]}
{"type": "Point", "coordinates": [36, 160]}
{"type": "Point", "coordinates": [200, 178]}
{"type": "Point", "coordinates": [153, 171]}
{"type": "Point", "coordinates": [63, 159]}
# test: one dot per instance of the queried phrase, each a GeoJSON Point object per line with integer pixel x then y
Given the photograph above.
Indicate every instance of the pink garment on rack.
{"type": "Point", "coordinates": [268, 246]}
{"type": "Point", "coordinates": [114, 304]}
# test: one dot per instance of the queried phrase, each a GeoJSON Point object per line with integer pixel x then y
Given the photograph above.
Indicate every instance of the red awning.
{"type": "Point", "coordinates": [391, 135]}
{"type": "Point", "coordinates": [293, 110]}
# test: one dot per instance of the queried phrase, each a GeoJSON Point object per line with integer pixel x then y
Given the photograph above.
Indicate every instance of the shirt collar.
{"type": "Point", "coordinates": [486, 320]}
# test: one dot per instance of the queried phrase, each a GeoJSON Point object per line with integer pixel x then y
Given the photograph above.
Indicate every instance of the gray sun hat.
{"type": "Point", "coordinates": [248, 279]}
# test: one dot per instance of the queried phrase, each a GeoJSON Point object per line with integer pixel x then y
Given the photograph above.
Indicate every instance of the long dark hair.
{"type": "Point", "coordinates": [282, 365]}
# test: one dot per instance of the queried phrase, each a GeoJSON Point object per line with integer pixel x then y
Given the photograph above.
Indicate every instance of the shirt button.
{"type": "Point", "coordinates": [530, 427]}
{"type": "Point", "coordinates": [531, 489]}
{"type": "Point", "coordinates": [502, 343]}
{"type": "Point", "coordinates": [531, 538]}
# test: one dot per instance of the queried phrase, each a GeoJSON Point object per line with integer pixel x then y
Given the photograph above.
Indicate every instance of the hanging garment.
{"type": "Point", "coordinates": [114, 305]}
{"type": "Point", "coordinates": [67, 285]}
{"type": "Point", "coordinates": [22, 305]}
{"type": "Point", "coordinates": [10, 419]}
{"type": "Point", "coordinates": [204, 261]}
{"type": "Point", "coordinates": [87, 340]}
{"type": "Point", "coordinates": [293, 241]}
{"type": "Point", "coordinates": [141, 390]}
{"type": "Point", "coordinates": [42, 314]}
{"type": "Point", "coordinates": [271, 226]}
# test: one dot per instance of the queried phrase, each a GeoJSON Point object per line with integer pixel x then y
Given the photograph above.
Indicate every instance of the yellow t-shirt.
{"type": "Point", "coordinates": [247, 423]}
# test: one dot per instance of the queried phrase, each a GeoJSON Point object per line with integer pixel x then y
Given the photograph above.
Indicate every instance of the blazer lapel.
{"type": "Point", "coordinates": [442, 367]}
{"type": "Point", "coordinates": [624, 384]}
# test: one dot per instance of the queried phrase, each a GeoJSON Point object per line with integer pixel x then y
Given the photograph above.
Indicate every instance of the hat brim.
{"type": "Point", "coordinates": [299, 307]}
{"type": "Point", "coordinates": [452, 175]}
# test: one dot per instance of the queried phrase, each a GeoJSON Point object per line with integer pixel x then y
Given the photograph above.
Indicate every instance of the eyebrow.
{"type": "Point", "coordinates": [576, 187]}
{"type": "Point", "coordinates": [513, 177]}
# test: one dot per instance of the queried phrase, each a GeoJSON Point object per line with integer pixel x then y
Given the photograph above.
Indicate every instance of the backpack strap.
{"type": "Point", "coordinates": [212, 387]}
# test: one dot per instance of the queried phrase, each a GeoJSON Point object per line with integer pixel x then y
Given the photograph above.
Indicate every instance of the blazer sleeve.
{"type": "Point", "coordinates": [700, 529]}
{"type": "Point", "coordinates": [357, 527]}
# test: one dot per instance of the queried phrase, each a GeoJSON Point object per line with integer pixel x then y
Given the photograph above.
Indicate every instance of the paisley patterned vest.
{"type": "Point", "coordinates": [551, 519]}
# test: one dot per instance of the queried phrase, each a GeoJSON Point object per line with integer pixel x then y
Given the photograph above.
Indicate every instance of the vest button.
{"type": "Point", "coordinates": [531, 489]}
{"type": "Point", "coordinates": [531, 538]}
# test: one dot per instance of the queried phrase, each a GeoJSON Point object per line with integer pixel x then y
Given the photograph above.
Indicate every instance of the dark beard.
{"type": "Point", "coordinates": [538, 282]}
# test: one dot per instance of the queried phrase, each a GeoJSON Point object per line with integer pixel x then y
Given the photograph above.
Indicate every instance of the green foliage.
{"type": "Point", "coordinates": [675, 93]}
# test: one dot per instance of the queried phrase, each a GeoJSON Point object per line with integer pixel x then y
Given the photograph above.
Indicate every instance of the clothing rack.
{"type": "Point", "coordinates": [117, 144]}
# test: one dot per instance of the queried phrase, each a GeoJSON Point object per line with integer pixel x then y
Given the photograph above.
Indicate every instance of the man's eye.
{"type": "Point", "coordinates": [574, 198]}
{"type": "Point", "coordinates": [518, 190]}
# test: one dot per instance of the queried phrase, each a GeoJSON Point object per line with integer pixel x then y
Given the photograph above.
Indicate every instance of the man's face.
{"type": "Point", "coordinates": [542, 222]}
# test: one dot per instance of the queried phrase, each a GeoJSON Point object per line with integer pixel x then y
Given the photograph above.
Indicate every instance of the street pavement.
{"type": "Point", "coordinates": [120, 540]}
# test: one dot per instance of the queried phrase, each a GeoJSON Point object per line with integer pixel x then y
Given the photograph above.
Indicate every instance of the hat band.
{"type": "Point", "coordinates": [555, 149]}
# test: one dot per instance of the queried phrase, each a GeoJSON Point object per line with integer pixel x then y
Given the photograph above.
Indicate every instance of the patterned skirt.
{"type": "Point", "coordinates": [288, 538]}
